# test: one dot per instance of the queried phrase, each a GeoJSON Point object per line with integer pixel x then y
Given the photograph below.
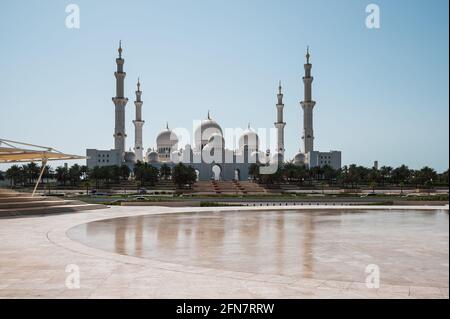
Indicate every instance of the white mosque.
{"type": "Point", "coordinates": [208, 156]}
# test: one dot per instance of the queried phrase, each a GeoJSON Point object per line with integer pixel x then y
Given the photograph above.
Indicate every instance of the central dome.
{"type": "Point", "coordinates": [205, 131]}
{"type": "Point", "coordinates": [167, 138]}
{"type": "Point", "coordinates": [166, 143]}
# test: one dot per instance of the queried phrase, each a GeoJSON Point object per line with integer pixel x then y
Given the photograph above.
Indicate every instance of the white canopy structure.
{"type": "Point", "coordinates": [14, 152]}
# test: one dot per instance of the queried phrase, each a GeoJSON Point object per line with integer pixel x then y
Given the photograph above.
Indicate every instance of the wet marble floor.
{"type": "Point", "coordinates": [409, 247]}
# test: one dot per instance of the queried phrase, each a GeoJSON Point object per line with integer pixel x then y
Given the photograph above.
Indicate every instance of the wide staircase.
{"type": "Point", "coordinates": [132, 186]}
{"type": "Point", "coordinates": [14, 203]}
{"type": "Point", "coordinates": [129, 185]}
{"type": "Point", "coordinates": [205, 188]}
{"type": "Point", "coordinates": [227, 188]}
{"type": "Point", "coordinates": [163, 185]}
{"type": "Point", "coordinates": [252, 188]}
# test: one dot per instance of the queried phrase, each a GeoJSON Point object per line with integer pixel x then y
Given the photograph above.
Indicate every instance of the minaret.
{"type": "Point", "coordinates": [279, 124]}
{"type": "Point", "coordinates": [138, 123]}
{"type": "Point", "coordinates": [308, 106]}
{"type": "Point", "coordinates": [120, 102]}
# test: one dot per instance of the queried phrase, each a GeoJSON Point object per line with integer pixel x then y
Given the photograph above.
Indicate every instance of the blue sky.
{"type": "Point", "coordinates": [382, 94]}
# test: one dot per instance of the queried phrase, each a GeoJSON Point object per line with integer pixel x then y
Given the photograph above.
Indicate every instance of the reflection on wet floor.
{"type": "Point", "coordinates": [410, 247]}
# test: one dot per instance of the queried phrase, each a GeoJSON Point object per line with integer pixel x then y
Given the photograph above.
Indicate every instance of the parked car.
{"type": "Point", "coordinates": [142, 191]}
{"type": "Point", "coordinates": [368, 195]}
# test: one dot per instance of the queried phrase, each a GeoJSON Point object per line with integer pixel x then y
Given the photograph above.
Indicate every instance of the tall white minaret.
{"type": "Point", "coordinates": [120, 102]}
{"type": "Point", "coordinates": [138, 123]}
{"type": "Point", "coordinates": [308, 106]}
{"type": "Point", "coordinates": [279, 124]}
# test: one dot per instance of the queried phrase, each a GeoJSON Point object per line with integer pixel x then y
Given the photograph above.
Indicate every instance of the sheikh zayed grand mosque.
{"type": "Point", "coordinates": [209, 156]}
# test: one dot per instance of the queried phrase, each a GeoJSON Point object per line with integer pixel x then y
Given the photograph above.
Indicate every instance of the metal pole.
{"type": "Point", "coordinates": [44, 162]}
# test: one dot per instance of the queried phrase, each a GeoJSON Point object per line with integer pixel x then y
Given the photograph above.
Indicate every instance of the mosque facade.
{"type": "Point", "coordinates": [208, 156]}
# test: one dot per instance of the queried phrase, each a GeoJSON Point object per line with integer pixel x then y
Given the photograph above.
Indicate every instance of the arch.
{"type": "Point", "coordinates": [237, 174]}
{"type": "Point", "coordinates": [197, 173]}
{"type": "Point", "coordinates": [216, 172]}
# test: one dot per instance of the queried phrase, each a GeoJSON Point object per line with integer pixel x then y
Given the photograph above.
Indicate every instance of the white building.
{"type": "Point", "coordinates": [208, 138]}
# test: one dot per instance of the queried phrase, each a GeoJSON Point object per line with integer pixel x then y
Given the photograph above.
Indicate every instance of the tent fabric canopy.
{"type": "Point", "coordinates": [11, 155]}
{"type": "Point", "coordinates": [10, 152]}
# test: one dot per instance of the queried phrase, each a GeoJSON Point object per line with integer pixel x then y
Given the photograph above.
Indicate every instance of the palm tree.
{"type": "Point", "coordinates": [74, 174]}
{"type": "Point", "coordinates": [96, 175]}
{"type": "Point", "coordinates": [48, 173]}
{"type": "Point", "coordinates": [354, 175]}
{"type": "Point", "coordinates": [401, 174]}
{"type": "Point", "coordinates": [87, 184]}
{"type": "Point", "coordinates": [386, 173]}
{"type": "Point", "coordinates": [329, 173]}
{"type": "Point", "coordinates": [32, 171]}
{"type": "Point", "coordinates": [13, 174]}
{"type": "Point", "coordinates": [61, 174]}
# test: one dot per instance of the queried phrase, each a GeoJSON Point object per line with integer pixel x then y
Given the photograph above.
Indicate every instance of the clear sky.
{"type": "Point", "coordinates": [382, 94]}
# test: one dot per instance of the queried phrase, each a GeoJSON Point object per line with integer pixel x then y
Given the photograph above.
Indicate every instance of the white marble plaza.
{"type": "Point", "coordinates": [148, 262]}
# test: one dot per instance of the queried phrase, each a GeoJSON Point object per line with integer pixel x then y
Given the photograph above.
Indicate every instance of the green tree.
{"type": "Point", "coordinates": [62, 174]}
{"type": "Point", "coordinates": [14, 175]}
{"type": "Point", "coordinates": [330, 174]}
{"type": "Point", "coordinates": [87, 184]}
{"type": "Point", "coordinates": [386, 174]}
{"type": "Point", "coordinates": [165, 171]}
{"type": "Point", "coordinates": [354, 175]}
{"type": "Point", "coordinates": [95, 174]}
{"type": "Point", "coordinates": [253, 172]}
{"type": "Point", "coordinates": [374, 176]}
{"type": "Point", "coordinates": [290, 172]}
{"type": "Point", "coordinates": [48, 173]}
{"type": "Point", "coordinates": [183, 175]}
{"type": "Point", "coordinates": [146, 174]}
{"type": "Point", "coordinates": [401, 174]}
{"type": "Point", "coordinates": [443, 178]}
{"type": "Point", "coordinates": [74, 174]}
{"type": "Point", "coordinates": [125, 172]}
{"type": "Point", "coordinates": [270, 179]}
{"type": "Point", "coordinates": [428, 174]}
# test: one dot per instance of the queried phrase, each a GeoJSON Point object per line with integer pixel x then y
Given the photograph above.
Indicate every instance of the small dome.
{"type": "Point", "coordinates": [250, 138]}
{"type": "Point", "coordinates": [299, 159]}
{"type": "Point", "coordinates": [130, 157]}
{"type": "Point", "coordinates": [152, 157]}
{"type": "Point", "coordinates": [167, 138]}
{"type": "Point", "coordinates": [205, 130]}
